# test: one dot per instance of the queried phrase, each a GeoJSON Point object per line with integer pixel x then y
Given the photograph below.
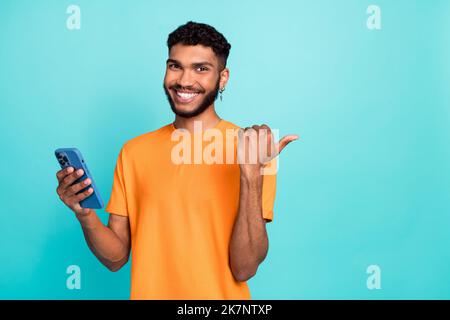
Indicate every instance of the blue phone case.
{"type": "Point", "coordinates": [71, 157]}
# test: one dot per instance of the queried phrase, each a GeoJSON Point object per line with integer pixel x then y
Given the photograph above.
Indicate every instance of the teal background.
{"type": "Point", "coordinates": [368, 183]}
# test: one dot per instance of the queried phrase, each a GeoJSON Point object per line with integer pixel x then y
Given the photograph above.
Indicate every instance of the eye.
{"type": "Point", "coordinates": [202, 69]}
{"type": "Point", "coordinates": [174, 66]}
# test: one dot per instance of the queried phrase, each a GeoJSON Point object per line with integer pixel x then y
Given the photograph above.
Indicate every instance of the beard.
{"type": "Point", "coordinates": [208, 100]}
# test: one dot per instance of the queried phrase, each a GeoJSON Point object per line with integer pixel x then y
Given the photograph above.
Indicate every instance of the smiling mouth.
{"type": "Point", "coordinates": [185, 96]}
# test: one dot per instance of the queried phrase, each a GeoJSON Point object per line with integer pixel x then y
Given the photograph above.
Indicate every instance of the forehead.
{"type": "Point", "coordinates": [191, 54]}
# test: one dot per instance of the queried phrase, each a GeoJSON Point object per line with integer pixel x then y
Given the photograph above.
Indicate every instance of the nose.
{"type": "Point", "coordinates": [185, 79]}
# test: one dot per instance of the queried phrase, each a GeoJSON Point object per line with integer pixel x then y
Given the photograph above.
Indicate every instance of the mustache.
{"type": "Point", "coordinates": [189, 88]}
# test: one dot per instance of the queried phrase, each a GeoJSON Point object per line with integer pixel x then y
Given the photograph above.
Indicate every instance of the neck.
{"type": "Point", "coordinates": [208, 118]}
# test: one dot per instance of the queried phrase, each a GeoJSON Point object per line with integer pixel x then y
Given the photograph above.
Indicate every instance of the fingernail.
{"type": "Point", "coordinates": [86, 181]}
{"type": "Point", "coordinates": [90, 189]}
{"type": "Point", "coordinates": [70, 169]}
{"type": "Point", "coordinates": [80, 172]}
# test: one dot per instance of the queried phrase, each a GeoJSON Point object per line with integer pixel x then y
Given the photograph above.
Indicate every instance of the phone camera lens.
{"type": "Point", "coordinates": [65, 159]}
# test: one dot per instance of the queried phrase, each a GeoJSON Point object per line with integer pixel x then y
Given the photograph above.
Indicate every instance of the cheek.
{"type": "Point", "coordinates": [169, 79]}
{"type": "Point", "coordinates": [166, 80]}
{"type": "Point", "coordinates": [208, 82]}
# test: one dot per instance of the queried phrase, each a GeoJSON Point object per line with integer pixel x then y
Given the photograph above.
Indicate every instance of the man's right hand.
{"type": "Point", "coordinates": [110, 244]}
{"type": "Point", "coordinates": [67, 192]}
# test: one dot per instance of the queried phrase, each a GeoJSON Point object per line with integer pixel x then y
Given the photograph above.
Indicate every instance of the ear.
{"type": "Point", "coordinates": [224, 76]}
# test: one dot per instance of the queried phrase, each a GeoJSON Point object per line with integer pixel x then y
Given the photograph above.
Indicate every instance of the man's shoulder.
{"type": "Point", "coordinates": [229, 125]}
{"type": "Point", "coordinates": [151, 137]}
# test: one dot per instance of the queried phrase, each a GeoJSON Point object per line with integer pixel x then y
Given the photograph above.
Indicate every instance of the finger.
{"type": "Point", "coordinates": [248, 131]}
{"type": "Point", "coordinates": [240, 134]}
{"type": "Point", "coordinates": [263, 145]}
{"type": "Point", "coordinates": [266, 127]}
{"type": "Point", "coordinates": [73, 189]}
{"type": "Point", "coordinates": [251, 132]}
{"type": "Point", "coordinates": [76, 199]}
{"type": "Point", "coordinates": [285, 141]}
{"type": "Point", "coordinates": [68, 180]}
{"type": "Point", "coordinates": [270, 144]}
{"type": "Point", "coordinates": [255, 136]}
{"type": "Point", "coordinates": [61, 174]}
{"type": "Point", "coordinates": [240, 146]}
{"type": "Point", "coordinates": [80, 210]}
{"type": "Point", "coordinates": [64, 181]}
{"type": "Point", "coordinates": [251, 140]}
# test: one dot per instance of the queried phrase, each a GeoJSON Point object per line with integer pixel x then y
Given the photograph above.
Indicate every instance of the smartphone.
{"type": "Point", "coordinates": [71, 157]}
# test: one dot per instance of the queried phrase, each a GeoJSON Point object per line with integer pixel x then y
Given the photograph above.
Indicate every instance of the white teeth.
{"type": "Point", "coordinates": [186, 95]}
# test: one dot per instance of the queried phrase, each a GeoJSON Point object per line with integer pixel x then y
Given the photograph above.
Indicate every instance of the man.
{"type": "Point", "coordinates": [196, 230]}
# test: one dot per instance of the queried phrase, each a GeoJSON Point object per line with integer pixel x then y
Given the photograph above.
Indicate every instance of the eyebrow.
{"type": "Point", "coordinates": [195, 64]}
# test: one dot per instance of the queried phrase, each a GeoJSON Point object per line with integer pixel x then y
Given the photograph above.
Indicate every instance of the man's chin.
{"type": "Point", "coordinates": [186, 112]}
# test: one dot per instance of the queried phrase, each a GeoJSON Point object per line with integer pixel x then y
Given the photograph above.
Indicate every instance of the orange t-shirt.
{"type": "Point", "coordinates": [181, 218]}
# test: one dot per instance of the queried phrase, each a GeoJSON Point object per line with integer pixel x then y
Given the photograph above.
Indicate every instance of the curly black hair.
{"type": "Point", "coordinates": [193, 33]}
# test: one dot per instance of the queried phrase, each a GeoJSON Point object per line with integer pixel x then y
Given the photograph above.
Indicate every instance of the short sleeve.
{"type": "Point", "coordinates": [269, 190]}
{"type": "Point", "coordinates": [118, 201]}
